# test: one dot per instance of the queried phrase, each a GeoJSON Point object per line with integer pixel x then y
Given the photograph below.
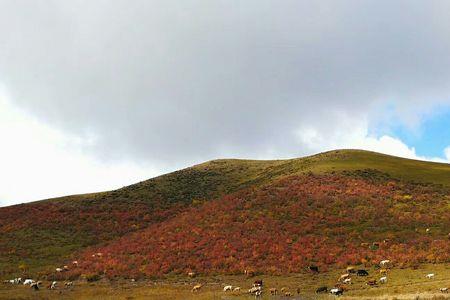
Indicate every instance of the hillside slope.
{"type": "Point", "coordinates": [37, 236]}
{"type": "Point", "coordinates": [285, 226]}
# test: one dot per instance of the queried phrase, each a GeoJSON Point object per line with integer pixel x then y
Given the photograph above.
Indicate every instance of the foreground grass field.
{"type": "Point", "coordinates": [402, 284]}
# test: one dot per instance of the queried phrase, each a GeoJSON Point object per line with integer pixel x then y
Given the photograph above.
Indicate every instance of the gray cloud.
{"type": "Point", "coordinates": [176, 81]}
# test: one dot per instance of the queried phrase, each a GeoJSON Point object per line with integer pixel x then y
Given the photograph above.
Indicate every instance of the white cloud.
{"type": "Point", "coordinates": [447, 153]}
{"type": "Point", "coordinates": [354, 134]}
{"type": "Point", "coordinates": [39, 162]}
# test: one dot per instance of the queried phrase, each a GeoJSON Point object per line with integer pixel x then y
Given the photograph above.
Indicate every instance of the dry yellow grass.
{"type": "Point", "coordinates": [402, 284]}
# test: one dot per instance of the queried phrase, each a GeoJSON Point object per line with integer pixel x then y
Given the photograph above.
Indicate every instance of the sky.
{"type": "Point", "coordinates": [96, 95]}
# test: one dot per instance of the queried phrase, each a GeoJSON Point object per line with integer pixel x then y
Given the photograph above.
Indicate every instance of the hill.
{"type": "Point", "coordinates": [227, 215]}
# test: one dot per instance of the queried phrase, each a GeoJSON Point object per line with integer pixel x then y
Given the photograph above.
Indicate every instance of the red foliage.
{"type": "Point", "coordinates": [286, 226]}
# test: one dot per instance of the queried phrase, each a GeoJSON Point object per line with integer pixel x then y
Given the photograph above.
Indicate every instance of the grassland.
{"type": "Point", "coordinates": [402, 284]}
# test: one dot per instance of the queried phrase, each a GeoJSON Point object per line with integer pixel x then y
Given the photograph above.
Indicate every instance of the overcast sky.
{"type": "Point", "coordinates": [95, 95]}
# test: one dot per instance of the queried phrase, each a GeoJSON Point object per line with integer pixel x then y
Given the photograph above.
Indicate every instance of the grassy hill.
{"type": "Point", "coordinates": [41, 235]}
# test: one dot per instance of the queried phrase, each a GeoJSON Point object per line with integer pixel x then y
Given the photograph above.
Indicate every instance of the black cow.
{"type": "Point", "coordinates": [362, 273]}
{"type": "Point", "coordinates": [322, 289]}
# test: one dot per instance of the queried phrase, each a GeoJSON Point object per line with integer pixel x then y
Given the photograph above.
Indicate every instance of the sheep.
{"type": "Point", "coordinates": [53, 285]}
{"type": "Point", "coordinates": [344, 276]}
{"type": "Point", "coordinates": [385, 263]}
{"type": "Point", "coordinates": [254, 289]}
{"type": "Point", "coordinates": [430, 276]}
{"type": "Point", "coordinates": [273, 291]}
{"type": "Point", "coordinates": [191, 274]}
{"type": "Point", "coordinates": [383, 271]}
{"type": "Point", "coordinates": [196, 288]}
{"type": "Point", "coordinates": [28, 281]}
{"type": "Point", "coordinates": [237, 289]}
{"type": "Point", "coordinates": [383, 279]}
{"type": "Point", "coordinates": [35, 286]}
{"type": "Point", "coordinates": [371, 282]}
{"type": "Point", "coordinates": [288, 294]}
{"type": "Point", "coordinates": [348, 281]}
{"type": "Point", "coordinates": [444, 290]}
{"type": "Point", "coordinates": [336, 291]}
{"type": "Point", "coordinates": [59, 270]}
{"type": "Point", "coordinates": [228, 288]}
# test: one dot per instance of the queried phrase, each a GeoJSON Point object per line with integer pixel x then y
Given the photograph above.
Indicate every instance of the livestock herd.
{"type": "Point", "coordinates": [36, 285]}
{"type": "Point", "coordinates": [338, 289]}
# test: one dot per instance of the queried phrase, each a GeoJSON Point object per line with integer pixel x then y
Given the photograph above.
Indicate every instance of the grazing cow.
{"type": "Point", "coordinates": [237, 289]}
{"type": "Point", "coordinates": [362, 272]}
{"type": "Point", "coordinates": [336, 291]}
{"type": "Point", "coordinates": [383, 279]}
{"type": "Point", "coordinates": [196, 288]}
{"type": "Point", "coordinates": [258, 282]}
{"type": "Point", "coordinates": [273, 291]}
{"type": "Point", "coordinates": [344, 276]}
{"type": "Point", "coordinates": [385, 263]}
{"type": "Point", "coordinates": [288, 294]}
{"type": "Point", "coordinates": [372, 282]}
{"type": "Point", "coordinates": [444, 290]}
{"type": "Point", "coordinates": [348, 281]}
{"type": "Point", "coordinates": [28, 281]}
{"type": "Point", "coordinates": [351, 270]}
{"type": "Point", "coordinates": [322, 289]}
{"type": "Point", "coordinates": [430, 276]}
{"type": "Point", "coordinates": [227, 288]}
{"type": "Point", "coordinates": [314, 269]}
